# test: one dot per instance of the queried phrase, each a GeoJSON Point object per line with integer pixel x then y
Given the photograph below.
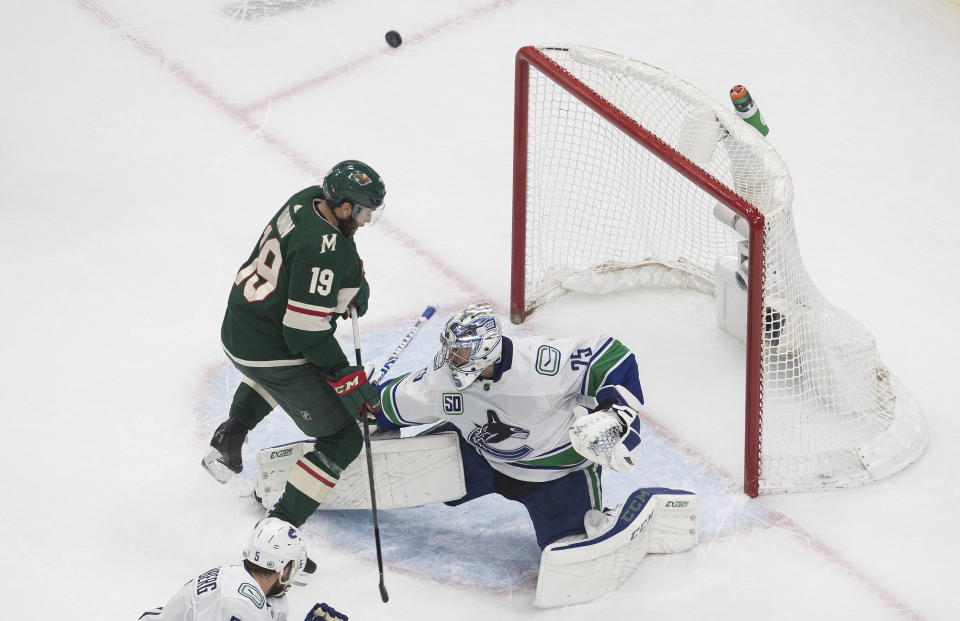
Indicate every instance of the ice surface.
{"type": "Point", "coordinates": [144, 145]}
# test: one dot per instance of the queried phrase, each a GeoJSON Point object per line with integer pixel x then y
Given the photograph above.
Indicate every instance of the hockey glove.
{"type": "Point", "coordinates": [608, 437]}
{"type": "Point", "coordinates": [228, 440]}
{"type": "Point", "coordinates": [614, 394]}
{"type": "Point", "coordinates": [323, 612]}
{"type": "Point", "coordinates": [362, 299]}
{"type": "Point", "coordinates": [356, 393]}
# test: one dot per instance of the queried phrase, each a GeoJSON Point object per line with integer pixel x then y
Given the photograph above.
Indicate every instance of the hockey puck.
{"type": "Point", "coordinates": [393, 38]}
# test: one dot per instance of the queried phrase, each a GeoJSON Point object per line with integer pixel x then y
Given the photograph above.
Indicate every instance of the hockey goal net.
{"type": "Point", "coordinates": [686, 191]}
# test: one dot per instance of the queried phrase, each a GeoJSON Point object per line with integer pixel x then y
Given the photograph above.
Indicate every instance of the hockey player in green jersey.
{"type": "Point", "coordinates": [278, 330]}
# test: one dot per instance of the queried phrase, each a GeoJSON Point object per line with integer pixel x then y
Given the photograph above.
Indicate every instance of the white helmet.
{"type": "Point", "coordinates": [476, 329]}
{"type": "Point", "coordinates": [273, 544]}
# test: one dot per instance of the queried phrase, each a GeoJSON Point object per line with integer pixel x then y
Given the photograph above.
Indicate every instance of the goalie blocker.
{"type": "Point", "coordinates": [408, 472]}
{"type": "Point", "coordinates": [652, 520]}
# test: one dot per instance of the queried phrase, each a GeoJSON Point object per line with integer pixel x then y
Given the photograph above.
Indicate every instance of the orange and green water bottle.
{"type": "Point", "coordinates": [747, 108]}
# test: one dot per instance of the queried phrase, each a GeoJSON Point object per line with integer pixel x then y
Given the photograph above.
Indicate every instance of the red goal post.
{"type": "Point", "coordinates": [697, 187]}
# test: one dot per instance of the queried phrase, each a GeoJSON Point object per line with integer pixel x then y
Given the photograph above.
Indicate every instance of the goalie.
{"type": "Point", "coordinates": [537, 420]}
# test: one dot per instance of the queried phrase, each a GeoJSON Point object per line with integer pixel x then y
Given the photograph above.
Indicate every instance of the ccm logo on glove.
{"type": "Point", "coordinates": [349, 383]}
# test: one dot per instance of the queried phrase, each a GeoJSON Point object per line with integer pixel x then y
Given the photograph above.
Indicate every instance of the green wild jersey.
{"type": "Point", "coordinates": [286, 298]}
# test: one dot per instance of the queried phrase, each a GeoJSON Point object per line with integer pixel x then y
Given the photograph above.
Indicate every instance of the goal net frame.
{"type": "Point", "coordinates": [907, 439]}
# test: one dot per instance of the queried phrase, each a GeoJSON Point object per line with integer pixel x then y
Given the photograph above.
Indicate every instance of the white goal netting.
{"type": "Point", "coordinates": [604, 211]}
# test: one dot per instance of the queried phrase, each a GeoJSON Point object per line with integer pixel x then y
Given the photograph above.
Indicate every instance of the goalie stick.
{"type": "Point", "coordinates": [385, 368]}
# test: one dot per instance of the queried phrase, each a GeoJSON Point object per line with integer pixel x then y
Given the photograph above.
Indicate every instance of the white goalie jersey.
{"type": "Point", "coordinates": [519, 419]}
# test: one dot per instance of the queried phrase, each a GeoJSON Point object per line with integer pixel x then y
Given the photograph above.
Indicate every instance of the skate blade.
{"type": "Point", "coordinates": [217, 469]}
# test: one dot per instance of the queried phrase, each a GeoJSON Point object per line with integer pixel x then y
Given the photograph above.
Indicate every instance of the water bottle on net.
{"type": "Point", "coordinates": [747, 108]}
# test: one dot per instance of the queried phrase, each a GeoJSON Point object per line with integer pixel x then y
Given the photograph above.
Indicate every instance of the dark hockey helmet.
{"type": "Point", "coordinates": [354, 181]}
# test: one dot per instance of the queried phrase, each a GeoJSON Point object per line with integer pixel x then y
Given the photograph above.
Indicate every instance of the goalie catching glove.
{"type": "Point", "coordinates": [356, 393]}
{"type": "Point", "coordinates": [609, 436]}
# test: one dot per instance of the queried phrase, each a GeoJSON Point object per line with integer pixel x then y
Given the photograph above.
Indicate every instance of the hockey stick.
{"type": "Point", "coordinates": [385, 368]}
{"type": "Point", "coordinates": [366, 446]}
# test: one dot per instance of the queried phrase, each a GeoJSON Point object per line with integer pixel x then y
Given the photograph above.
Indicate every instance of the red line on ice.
{"type": "Point", "coordinates": [780, 520]}
{"type": "Point", "coordinates": [237, 114]}
{"type": "Point", "coordinates": [366, 59]}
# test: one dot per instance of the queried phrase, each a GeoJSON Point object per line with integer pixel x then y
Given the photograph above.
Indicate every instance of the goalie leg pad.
{"type": "Point", "coordinates": [273, 467]}
{"type": "Point", "coordinates": [299, 465]}
{"type": "Point", "coordinates": [581, 570]}
{"type": "Point", "coordinates": [675, 525]}
{"type": "Point", "coordinates": [408, 472]}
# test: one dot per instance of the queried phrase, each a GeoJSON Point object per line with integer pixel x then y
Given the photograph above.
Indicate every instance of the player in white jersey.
{"type": "Point", "coordinates": [274, 558]}
{"type": "Point", "coordinates": [514, 403]}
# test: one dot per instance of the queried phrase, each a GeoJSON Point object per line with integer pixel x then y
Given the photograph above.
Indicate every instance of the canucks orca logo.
{"type": "Point", "coordinates": [495, 432]}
